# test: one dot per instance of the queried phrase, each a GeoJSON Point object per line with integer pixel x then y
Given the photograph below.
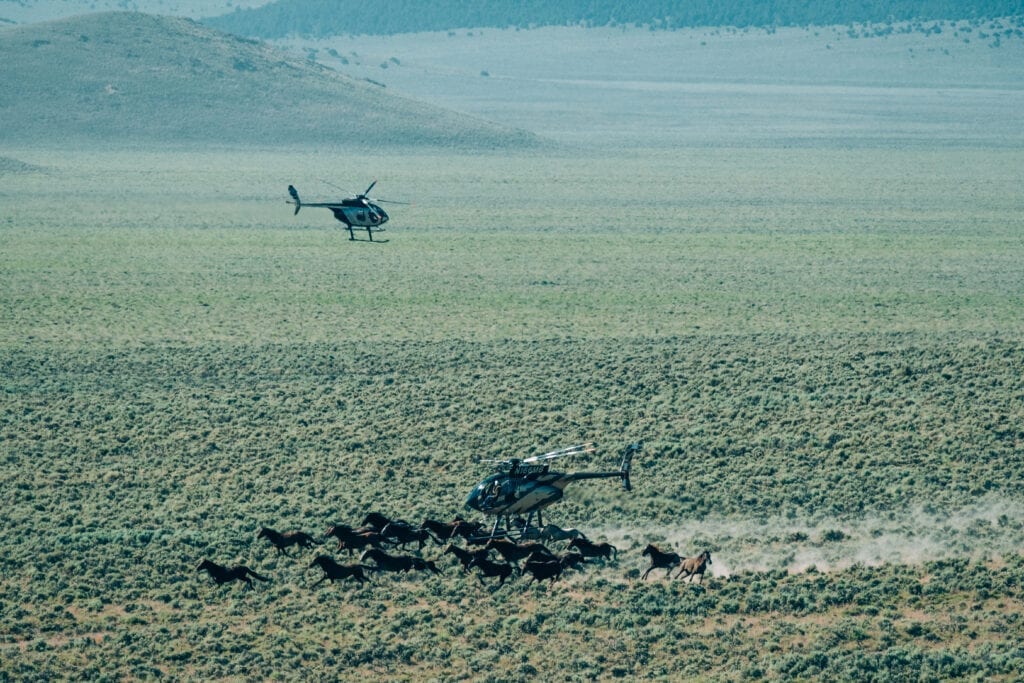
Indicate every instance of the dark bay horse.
{"type": "Point", "coordinates": [379, 521]}
{"type": "Point", "coordinates": [222, 574]}
{"type": "Point", "coordinates": [467, 558]}
{"type": "Point", "coordinates": [354, 539]}
{"type": "Point", "coordinates": [285, 540]}
{"type": "Point", "coordinates": [398, 563]}
{"type": "Point", "coordinates": [540, 570]}
{"type": "Point", "coordinates": [401, 534]}
{"type": "Point", "coordinates": [660, 560]}
{"type": "Point", "coordinates": [445, 531]}
{"type": "Point", "coordinates": [695, 566]}
{"type": "Point", "coordinates": [489, 568]}
{"type": "Point", "coordinates": [335, 572]}
{"type": "Point", "coordinates": [514, 552]}
{"type": "Point", "coordinates": [591, 549]}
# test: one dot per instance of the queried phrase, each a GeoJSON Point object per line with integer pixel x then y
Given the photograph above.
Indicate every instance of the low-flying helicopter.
{"type": "Point", "coordinates": [525, 487]}
{"type": "Point", "coordinates": [355, 212]}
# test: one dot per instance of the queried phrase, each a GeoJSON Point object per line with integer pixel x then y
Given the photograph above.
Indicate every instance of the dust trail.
{"type": "Point", "coordinates": [990, 528]}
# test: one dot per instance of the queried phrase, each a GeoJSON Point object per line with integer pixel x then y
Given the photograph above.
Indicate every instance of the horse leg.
{"type": "Point", "coordinates": [644, 575]}
{"type": "Point", "coordinates": [322, 579]}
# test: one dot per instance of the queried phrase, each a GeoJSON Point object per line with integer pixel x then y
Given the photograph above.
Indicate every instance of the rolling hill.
{"type": "Point", "coordinates": [321, 18]}
{"type": "Point", "coordinates": [130, 78]}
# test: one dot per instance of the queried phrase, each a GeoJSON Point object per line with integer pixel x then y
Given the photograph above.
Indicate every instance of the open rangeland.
{"type": "Point", "coordinates": [824, 364]}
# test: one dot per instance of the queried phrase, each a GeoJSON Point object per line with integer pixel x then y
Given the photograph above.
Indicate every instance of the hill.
{"type": "Point", "coordinates": [29, 11]}
{"type": "Point", "coordinates": [130, 78]}
{"type": "Point", "coordinates": [382, 17]}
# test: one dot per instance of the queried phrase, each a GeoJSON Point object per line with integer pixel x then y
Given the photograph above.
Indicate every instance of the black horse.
{"type": "Point", "coordinates": [285, 540]}
{"type": "Point", "coordinates": [543, 569]}
{"type": "Point", "coordinates": [398, 563]}
{"type": "Point", "coordinates": [591, 549]}
{"type": "Point", "coordinates": [401, 534]}
{"type": "Point", "coordinates": [222, 574]}
{"type": "Point", "coordinates": [489, 568]}
{"type": "Point", "coordinates": [660, 560]}
{"type": "Point", "coordinates": [335, 572]}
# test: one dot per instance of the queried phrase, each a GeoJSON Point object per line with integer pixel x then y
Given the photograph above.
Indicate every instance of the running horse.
{"type": "Point", "coordinates": [335, 572]}
{"type": "Point", "coordinates": [591, 549]}
{"type": "Point", "coordinates": [222, 574]}
{"type": "Point", "coordinates": [660, 560]}
{"type": "Point", "coordinates": [398, 563]}
{"type": "Point", "coordinates": [285, 540]}
{"type": "Point", "coordinates": [695, 566]}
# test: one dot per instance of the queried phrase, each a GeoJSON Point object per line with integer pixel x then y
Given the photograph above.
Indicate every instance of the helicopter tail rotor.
{"type": "Point", "coordinates": [295, 195]}
{"type": "Point", "coordinates": [627, 463]}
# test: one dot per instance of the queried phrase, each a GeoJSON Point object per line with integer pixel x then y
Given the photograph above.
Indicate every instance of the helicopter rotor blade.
{"type": "Point", "coordinates": [330, 184]}
{"type": "Point", "coordinates": [562, 452]}
{"type": "Point", "coordinates": [369, 188]}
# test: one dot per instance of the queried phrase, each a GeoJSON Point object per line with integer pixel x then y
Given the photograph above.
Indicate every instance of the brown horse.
{"type": "Point", "coordinates": [695, 566]}
{"type": "Point", "coordinates": [334, 571]}
{"type": "Point", "coordinates": [285, 540]}
{"type": "Point", "coordinates": [398, 563]}
{"type": "Point", "coordinates": [222, 574]}
{"type": "Point", "coordinates": [660, 560]}
{"type": "Point", "coordinates": [590, 549]}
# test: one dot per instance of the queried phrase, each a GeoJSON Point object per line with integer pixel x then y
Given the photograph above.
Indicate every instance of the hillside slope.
{"type": "Point", "coordinates": [129, 78]}
{"type": "Point", "coordinates": [321, 18]}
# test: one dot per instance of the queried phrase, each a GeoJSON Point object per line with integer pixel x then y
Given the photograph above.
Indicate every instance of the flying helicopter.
{"type": "Point", "coordinates": [525, 487]}
{"type": "Point", "coordinates": [355, 212]}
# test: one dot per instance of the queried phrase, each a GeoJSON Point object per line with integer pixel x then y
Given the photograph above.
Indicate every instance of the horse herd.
{"type": "Point", "coordinates": [528, 555]}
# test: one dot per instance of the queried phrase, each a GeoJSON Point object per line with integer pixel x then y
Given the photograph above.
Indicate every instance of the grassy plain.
{"type": "Point", "coordinates": [796, 278]}
{"type": "Point", "coordinates": [822, 351]}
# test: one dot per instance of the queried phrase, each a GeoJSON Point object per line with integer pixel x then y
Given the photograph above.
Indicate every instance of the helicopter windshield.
{"type": "Point", "coordinates": [484, 495]}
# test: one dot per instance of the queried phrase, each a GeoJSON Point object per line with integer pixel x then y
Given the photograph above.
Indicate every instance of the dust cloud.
{"type": "Point", "coordinates": [991, 528]}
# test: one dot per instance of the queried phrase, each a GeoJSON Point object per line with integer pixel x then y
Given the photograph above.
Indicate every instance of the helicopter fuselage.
{"type": "Point", "coordinates": [522, 493]}
{"type": "Point", "coordinates": [354, 212]}
{"type": "Point", "coordinates": [359, 214]}
{"type": "Point", "coordinates": [525, 487]}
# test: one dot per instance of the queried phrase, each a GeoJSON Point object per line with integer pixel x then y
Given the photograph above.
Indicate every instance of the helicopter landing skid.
{"type": "Point", "coordinates": [522, 528]}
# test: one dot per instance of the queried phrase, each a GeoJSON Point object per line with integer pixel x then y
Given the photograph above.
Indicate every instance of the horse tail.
{"type": "Point", "coordinates": [256, 576]}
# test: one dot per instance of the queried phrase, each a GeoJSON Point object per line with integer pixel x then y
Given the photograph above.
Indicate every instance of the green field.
{"type": "Point", "coordinates": [820, 347]}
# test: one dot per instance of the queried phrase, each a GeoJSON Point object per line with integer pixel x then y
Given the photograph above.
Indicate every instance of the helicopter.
{"type": "Point", "coordinates": [355, 212]}
{"type": "Point", "coordinates": [525, 487]}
